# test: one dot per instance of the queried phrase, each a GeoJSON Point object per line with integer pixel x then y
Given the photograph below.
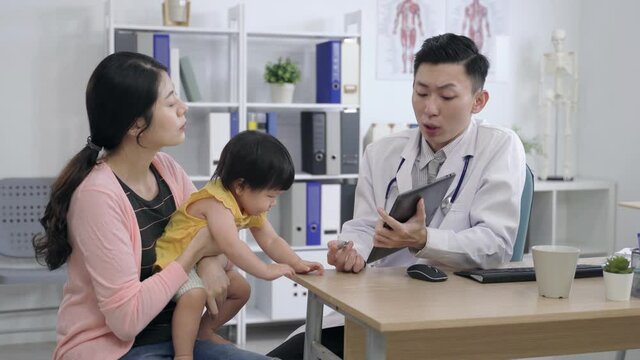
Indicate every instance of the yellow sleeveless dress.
{"type": "Point", "coordinates": [183, 227]}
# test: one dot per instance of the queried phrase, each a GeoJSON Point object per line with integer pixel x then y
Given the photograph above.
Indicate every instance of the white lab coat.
{"type": "Point", "coordinates": [481, 226]}
{"type": "Point", "coordinates": [478, 231]}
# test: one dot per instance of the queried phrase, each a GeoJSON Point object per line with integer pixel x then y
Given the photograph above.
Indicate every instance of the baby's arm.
{"type": "Point", "coordinates": [280, 251]}
{"type": "Point", "coordinates": [223, 230]}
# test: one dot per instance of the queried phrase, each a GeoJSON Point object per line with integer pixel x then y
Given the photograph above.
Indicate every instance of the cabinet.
{"type": "Point", "coordinates": [578, 213]}
{"type": "Point", "coordinates": [229, 64]}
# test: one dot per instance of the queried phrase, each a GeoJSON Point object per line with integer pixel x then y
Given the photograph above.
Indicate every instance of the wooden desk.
{"type": "Point", "coordinates": [630, 204]}
{"type": "Point", "coordinates": [403, 318]}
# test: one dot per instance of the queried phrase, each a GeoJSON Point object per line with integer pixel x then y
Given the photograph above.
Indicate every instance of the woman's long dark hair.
{"type": "Point", "coordinates": [122, 88]}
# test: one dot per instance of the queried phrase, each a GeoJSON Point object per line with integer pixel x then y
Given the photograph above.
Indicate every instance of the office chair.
{"type": "Point", "coordinates": [22, 204]}
{"type": "Point", "coordinates": [526, 203]}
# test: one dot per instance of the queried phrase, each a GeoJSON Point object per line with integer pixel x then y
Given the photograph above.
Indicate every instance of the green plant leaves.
{"type": "Point", "coordinates": [284, 71]}
{"type": "Point", "coordinates": [617, 265]}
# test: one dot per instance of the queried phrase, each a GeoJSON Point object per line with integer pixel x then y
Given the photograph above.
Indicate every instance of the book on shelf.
{"type": "Point", "coordinates": [157, 46]}
{"type": "Point", "coordinates": [347, 201]}
{"type": "Point", "coordinates": [235, 123]}
{"type": "Point", "coordinates": [330, 212]}
{"type": "Point", "coordinates": [314, 214]}
{"type": "Point", "coordinates": [334, 157]}
{"type": "Point", "coordinates": [350, 72]}
{"type": "Point", "coordinates": [327, 142]}
{"type": "Point", "coordinates": [188, 79]}
{"type": "Point", "coordinates": [293, 205]}
{"type": "Point", "coordinates": [162, 50]}
{"type": "Point", "coordinates": [313, 142]}
{"type": "Point", "coordinates": [349, 149]}
{"type": "Point", "coordinates": [265, 122]}
{"type": "Point", "coordinates": [328, 72]}
{"type": "Point", "coordinates": [219, 135]}
{"type": "Point", "coordinates": [125, 40]}
{"type": "Point", "coordinates": [174, 71]}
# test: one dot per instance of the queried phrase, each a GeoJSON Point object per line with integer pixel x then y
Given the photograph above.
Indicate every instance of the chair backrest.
{"type": "Point", "coordinates": [526, 203]}
{"type": "Point", "coordinates": [22, 204]}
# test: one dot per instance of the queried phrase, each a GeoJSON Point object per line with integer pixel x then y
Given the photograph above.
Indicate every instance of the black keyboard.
{"type": "Point", "coordinates": [487, 276]}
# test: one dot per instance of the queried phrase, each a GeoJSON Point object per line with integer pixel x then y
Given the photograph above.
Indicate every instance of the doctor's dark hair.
{"type": "Point", "coordinates": [454, 49]}
{"type": "Point", "coordinates": [260, 159]}
{"type": "Point", "coordinates": [122, 88]}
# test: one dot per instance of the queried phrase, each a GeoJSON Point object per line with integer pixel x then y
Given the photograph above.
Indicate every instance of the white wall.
{"type": "Point", "coordinates": [52, 47]}
{"type": "Point", "coordinates": [49, 50]}
{"type": "Point", "coordinates": [609, 129]}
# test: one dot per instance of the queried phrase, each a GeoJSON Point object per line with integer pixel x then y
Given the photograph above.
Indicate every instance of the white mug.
{"type": "Point", "coordinates": [555, 268]}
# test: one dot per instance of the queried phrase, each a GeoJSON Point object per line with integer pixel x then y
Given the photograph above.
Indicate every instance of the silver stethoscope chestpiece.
{"type": "Point", "coordinates": [446, 204]}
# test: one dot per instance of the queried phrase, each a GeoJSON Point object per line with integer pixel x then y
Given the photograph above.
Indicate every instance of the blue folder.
{"type": "Point", "coordinates": [162, 50]}
{"type": "Point", "coordinates": [328, 72]}
{"type": "Point", "coordinates": [314, 196]}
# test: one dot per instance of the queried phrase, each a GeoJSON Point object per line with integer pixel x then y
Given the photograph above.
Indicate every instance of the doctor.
{"type": "Point", "coordinates": [476, 224]}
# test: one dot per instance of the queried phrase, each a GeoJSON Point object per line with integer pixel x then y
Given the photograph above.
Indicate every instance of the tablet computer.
{"type": "Point", "coordinates": [405, 207]}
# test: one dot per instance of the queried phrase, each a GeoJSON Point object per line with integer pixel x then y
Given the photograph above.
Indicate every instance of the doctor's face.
{"type": "Point", "coordinates": [443, 101]}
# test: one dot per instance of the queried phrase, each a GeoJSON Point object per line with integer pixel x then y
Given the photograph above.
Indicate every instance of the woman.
{"type": "Point", "coordinates": [106, 212]}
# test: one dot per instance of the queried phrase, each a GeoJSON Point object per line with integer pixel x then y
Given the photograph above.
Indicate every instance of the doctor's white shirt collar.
{"type": "Point", "coordinates": [426, 153]}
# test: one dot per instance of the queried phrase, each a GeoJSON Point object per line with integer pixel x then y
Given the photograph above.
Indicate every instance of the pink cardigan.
{"type": "Point", "coordinates": [104, 304]}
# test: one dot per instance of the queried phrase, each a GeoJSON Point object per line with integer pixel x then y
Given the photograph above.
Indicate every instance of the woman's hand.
{"type": "Point", "coordinates": [345, 258]}
{"type": "Point", "coordinates": [214, 277]}
{"type": "Point", "coordinates": [412, 233]}
{"type": "Point", "coordinates": [201, 245]}
{"type": "Point", "coordinates": [204, 245]}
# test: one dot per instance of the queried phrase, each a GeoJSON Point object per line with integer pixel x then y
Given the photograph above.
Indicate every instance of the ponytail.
{"type": "Point", "coordinates": [53, 246]}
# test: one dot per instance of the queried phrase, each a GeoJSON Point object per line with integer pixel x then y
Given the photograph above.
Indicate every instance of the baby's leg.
{"type": "Point", "coordinates": [186, 317]}
{"type": "Point", "coordinates": [238, 294]}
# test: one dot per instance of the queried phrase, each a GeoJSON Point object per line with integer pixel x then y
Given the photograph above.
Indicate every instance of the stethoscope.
{"type": "Point", "coordinates": [448, 201]}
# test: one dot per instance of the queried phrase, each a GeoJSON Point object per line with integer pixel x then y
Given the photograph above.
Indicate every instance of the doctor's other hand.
{"type": "Point", "coordinates": [412, 233]}
{"type": "Point", "coordinates": [345, 258]}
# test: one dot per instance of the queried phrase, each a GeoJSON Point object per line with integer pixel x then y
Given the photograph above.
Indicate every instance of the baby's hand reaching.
{"type": "Point", "coordinates": [305, 267]}
{"type": "Point", "coordinates": [275, 271]}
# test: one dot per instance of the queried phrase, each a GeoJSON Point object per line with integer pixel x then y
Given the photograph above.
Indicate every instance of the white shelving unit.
{"type": "Point", "coordinates": [246, 53]}
{"type": "Point", "coordinates": [578, 213]}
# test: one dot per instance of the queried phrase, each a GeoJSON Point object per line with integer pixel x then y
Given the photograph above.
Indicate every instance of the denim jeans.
{"type": "Point", "coordinates": [203, 350]}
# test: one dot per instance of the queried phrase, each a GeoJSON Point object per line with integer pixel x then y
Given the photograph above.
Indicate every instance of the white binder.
{"type": "Point", "coordinates": [294, 214]}
{"type": "Point", "coordinates": [175, 69]}
{"type": "Point", "coordinates": [330, 208]}
{"type": "Point", "coordinates": [350, 72]}
{"type": "Point", "coordinates": [333, 143]}
{"type": "Point", "coordinates": [219, 135]}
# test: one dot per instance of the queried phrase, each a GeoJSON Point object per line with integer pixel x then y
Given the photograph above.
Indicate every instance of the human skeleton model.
{"type": "Point", "coordinates": [475, 16]}
{"type": "Point", "coordinates": [558, 101]}
{"type": "Point", "coordinates": [408, 17]}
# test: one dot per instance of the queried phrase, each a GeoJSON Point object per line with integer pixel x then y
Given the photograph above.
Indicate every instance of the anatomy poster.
{"type": "Point", "coordinates": [486, 23]}
{"type": "Point", "coordinates": [402, 27]}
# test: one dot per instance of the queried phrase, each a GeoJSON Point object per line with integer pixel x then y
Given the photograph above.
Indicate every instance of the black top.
{"type": "Point", "coordinates": [153, 215]}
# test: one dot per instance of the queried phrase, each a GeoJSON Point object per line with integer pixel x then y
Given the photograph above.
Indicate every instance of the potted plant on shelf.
{"type": "Point", "coordinates": [282, 76]}
{"type": "Point", "coordinates": [618, 278]}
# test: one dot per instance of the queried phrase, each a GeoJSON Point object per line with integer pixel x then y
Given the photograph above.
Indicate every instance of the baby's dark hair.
{"type": "Point", "coordinates": [258, 158]}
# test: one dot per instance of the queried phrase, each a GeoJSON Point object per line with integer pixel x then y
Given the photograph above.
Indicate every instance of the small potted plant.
{"type": "Point", "coordinates": [618, 278]}
{"type": "Point", "coordinates": [282, 76]}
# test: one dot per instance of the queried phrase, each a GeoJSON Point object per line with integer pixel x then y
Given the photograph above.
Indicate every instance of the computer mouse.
{"type": "Point", "coordinates": [426, 272]}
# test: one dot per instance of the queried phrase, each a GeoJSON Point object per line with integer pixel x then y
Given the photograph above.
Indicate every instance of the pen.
{"type": "Point", "coordinates": [342, 244]}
